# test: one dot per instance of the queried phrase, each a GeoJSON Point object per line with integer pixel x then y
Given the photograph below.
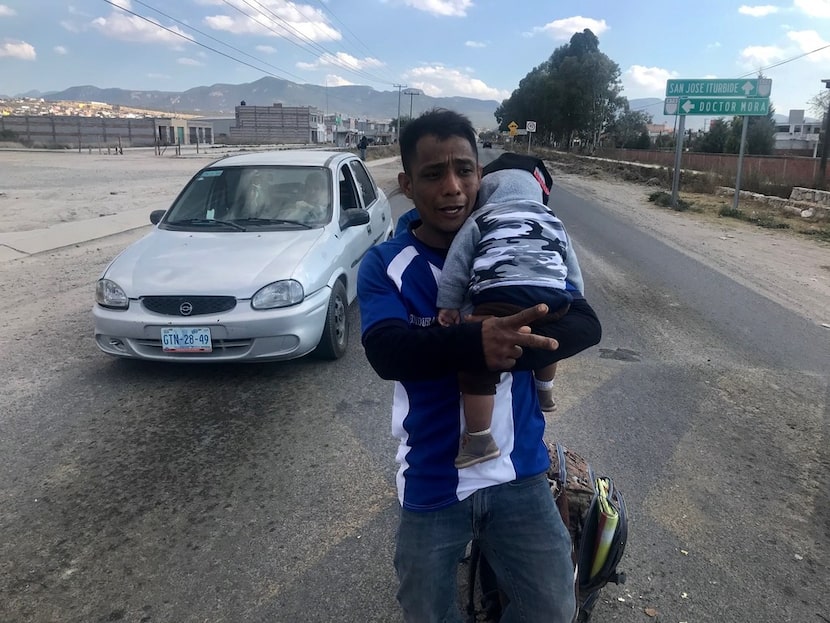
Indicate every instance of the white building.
{"type": "Point", "coordinates": [798, 136]}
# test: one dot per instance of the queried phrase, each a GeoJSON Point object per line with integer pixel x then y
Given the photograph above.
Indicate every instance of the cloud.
{"type": "Point", "coordinates": [59, 49]}
{"type": "Point", "coordinates": [275, 18]}
{"type": "Point", "coordinates": [441, 81]}
{"type": "Point", "coordinates": [6, 11]}
{"type": "Point", "coordinates": [756, 56]}
{"type": "Point", "coordinates": [18, 49]}
{"type": "Point", "coordinates": [761, 10]}
{"type": "Point", "coordinates": [648, 81]}
{"type": "Point", "coordinates": [564, 29]}
{"type": "Point", "coordinates": [341, 59]}
{"type": "Point", "coordinates": [191, 62]}
{"type": "Point", "coordinates": [814, 8]}
{"type": "Point", "coordinates": [475, 44]}
{"type": "Point", "coordinates": [444, 8]}
{"type": "Point", "coordinates": [334, 80]}
{"type": "Point", "coordinates": [130, 28]}
{"type": "Point", "coordinates": [809, 40]}
{"type": "Point", "coordinates": [70, 26]}
{"type": "Point", "coordinates": [266, 49]}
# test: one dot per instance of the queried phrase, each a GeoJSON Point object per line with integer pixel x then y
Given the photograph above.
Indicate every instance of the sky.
{"type": "Point", "coordinates": [470, 48]}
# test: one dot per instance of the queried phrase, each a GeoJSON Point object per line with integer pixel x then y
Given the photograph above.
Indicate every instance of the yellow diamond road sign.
{"type": "Point", "coordinates": [512, 126]}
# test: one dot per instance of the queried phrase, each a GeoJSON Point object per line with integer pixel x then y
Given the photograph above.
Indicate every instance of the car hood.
{"type": "Point", "coordinates": [222, 263]}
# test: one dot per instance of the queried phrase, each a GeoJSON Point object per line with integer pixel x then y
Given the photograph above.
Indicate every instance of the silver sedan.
{"type": "Point", "coordinates": [256, 260]}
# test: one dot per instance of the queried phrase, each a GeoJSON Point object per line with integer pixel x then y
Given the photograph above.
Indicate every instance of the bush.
{"type": "Point", "coordinates": [662, 198]}
{"type": "Point", "coordinates": [766, 221]}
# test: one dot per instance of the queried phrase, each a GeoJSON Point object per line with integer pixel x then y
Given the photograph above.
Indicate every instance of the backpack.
{"type": "Point", "coordinates": [581, 498]}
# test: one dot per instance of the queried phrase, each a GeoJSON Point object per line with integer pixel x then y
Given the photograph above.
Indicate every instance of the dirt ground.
{"type": "Point", "coordinates": [40, 189]}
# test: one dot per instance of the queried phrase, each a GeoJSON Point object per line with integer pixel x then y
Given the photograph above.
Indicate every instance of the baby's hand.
{"type": "Point", "coordinates": [448, 317]}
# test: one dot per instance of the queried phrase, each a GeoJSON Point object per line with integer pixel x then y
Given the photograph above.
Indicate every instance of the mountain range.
{"type": "Point", "coordinates": [361, 102]}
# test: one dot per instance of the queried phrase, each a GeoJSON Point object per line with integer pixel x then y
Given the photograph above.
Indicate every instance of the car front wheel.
{"type": "Point", "coordinates": [335, 337]}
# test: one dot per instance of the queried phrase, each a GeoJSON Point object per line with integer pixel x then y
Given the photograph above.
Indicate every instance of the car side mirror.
{"type": "Point", "coordinates": [155, 216]}
{"type": "Point", "coordinates": [355, 216]}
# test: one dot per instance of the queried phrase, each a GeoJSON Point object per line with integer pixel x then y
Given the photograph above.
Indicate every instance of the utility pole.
{"type": "Point", "coordinates": [398, 122]}
{"type": "Point", "coordinates": [411, 93]}
{"type": "Point", "coordinates": [822, 167]}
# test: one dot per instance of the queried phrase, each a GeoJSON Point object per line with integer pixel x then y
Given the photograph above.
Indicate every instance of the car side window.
{"type": "Point", "coordinates": [364, 182]}
{"type": "Point", "coordinates": [348, 193]}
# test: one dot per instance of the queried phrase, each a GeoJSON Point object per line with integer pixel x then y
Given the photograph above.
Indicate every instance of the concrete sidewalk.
{"type": "Point", "coordinates": [19, 244]}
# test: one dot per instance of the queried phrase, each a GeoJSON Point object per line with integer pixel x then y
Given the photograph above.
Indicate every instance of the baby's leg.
{"type": "Point", "coordinates": [478, 393]}
{"type": "Point", "coordinates": [478, 412]}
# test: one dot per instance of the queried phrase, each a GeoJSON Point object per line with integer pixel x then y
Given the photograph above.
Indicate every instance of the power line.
{"type": "Point", "coordinates": [785, 61]}
{"type": "Point", "coordinates": [289, 29]}
{"type": "Point", "coordinates": [192, 40]}
{"type": "Point", "coordinates": [348, 30]}
{"type": "Point", "coordinates": [227, 45]}
{"type": "Point", "coordinates": [259, 60]}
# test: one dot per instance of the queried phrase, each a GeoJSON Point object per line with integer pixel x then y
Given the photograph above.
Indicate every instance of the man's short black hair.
{"type": "Point", "coordinates": [439, 122]}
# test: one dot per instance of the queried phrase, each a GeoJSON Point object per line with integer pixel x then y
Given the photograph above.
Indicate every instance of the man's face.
{"type": "Point", "coordinates": [443, 183]}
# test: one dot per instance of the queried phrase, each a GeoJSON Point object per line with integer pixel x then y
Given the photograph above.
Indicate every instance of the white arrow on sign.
{"type": "Point", "coordinates": [687, 106]}
{"type": "Point", "coordinates": [747, 88]}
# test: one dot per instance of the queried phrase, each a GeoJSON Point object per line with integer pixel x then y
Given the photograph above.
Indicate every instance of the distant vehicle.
{"type": "Point", "coordinates": [487, 145]}
{"type": "Point", "coordinates": [256, 260]}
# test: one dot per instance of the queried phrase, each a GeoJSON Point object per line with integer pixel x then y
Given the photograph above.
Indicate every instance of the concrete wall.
{"type": "Point", "coordinates": [81, 132]}
{"type": "Point", "coordinates": [784, 170]}
{"type": "Point", "coordinates": [276, 124]}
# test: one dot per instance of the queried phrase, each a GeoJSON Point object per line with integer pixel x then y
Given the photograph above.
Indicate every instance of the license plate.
{"type": "Point", "coordinates": [186, 340]}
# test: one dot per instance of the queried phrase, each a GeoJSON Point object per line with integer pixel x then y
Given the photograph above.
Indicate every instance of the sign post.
{"type": "Point", "coordinates": [718, 97]}
{"type": "Point", "coordinates": [714, 106]}
{"type": "Point", "coordinates": [757, 87]}
{"type": "Point", "coordinates": [530, 127]}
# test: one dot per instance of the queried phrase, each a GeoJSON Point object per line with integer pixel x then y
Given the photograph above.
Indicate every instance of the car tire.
{"type": "Point", "coordinates": [335, 337]}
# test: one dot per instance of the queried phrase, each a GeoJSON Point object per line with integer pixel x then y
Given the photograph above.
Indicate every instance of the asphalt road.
{"type": "Point", "coordinates": [161, 493]}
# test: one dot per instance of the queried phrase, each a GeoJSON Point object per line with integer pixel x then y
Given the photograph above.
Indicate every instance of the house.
{"type": "Point", "coordinates": [798, 136]}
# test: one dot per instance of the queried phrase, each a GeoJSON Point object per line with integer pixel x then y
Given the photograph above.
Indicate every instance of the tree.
{"type": "Point", "coordinates": [664, 142]}
{"type": "Point", "coordinates": [760, 135]}
{"type": "Point", "coordinates": [628, 129]}
{"type": "Point", "coordinates": [714, 141]}
{"type": "Point", "coordinates": [574, 94]}
{"type": "Point", "coordinates": [819, 103]}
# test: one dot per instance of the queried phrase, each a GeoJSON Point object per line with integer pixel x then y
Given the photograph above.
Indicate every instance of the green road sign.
{"type": "Point", "coordinates": [739, 87]}
{"type": "Point", "coordinates": [716, 106]}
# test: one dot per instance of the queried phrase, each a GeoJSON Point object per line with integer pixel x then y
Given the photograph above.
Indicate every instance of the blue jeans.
{"type": "Point", "coordinates": [523, 538]}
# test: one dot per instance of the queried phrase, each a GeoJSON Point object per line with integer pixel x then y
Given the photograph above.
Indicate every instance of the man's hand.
{"type": "Point", "coordinates": [504, 338]}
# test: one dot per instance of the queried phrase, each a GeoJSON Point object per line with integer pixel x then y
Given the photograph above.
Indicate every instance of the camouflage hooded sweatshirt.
{"type": "Point", "coordinates": [511, 240]}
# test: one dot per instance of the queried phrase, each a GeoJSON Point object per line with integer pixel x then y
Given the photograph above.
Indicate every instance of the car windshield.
{"type": "Point", "coordinates": [253, 198]}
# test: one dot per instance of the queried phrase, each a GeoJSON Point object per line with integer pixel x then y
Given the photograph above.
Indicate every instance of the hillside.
{"type": "Point", "coordinates": [220, 99]}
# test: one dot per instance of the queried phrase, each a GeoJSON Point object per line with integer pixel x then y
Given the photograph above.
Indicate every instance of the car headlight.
{"type": "Point", "coordinates": [109, 294]}
{"type": "Point", "coordinates": [278, 294]}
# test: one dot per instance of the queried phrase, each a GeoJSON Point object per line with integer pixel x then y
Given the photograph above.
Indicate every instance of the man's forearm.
{"type": "Point", "coordinates": [398, 352]}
